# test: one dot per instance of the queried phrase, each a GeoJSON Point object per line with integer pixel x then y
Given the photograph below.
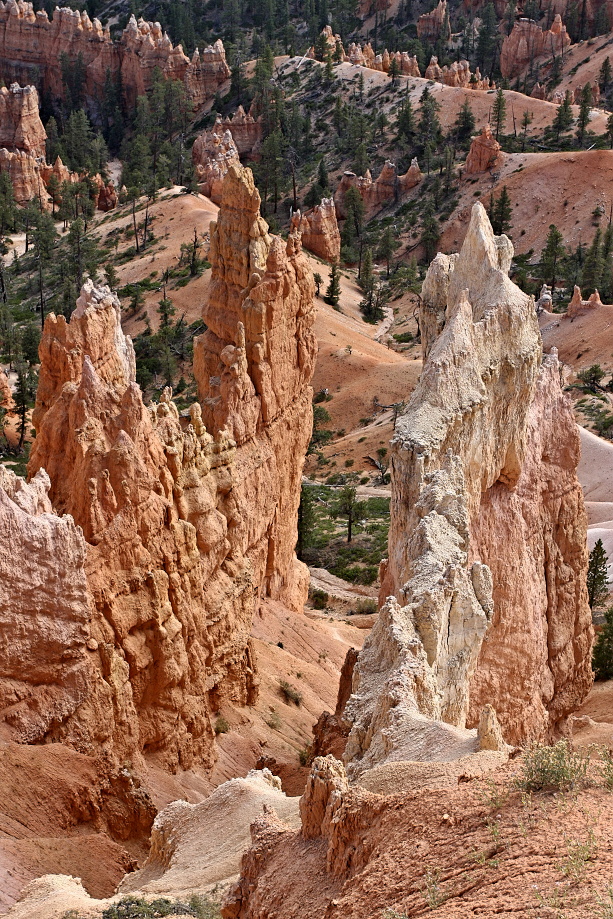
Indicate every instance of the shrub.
{"type": "Point", "coordinates": [366, 606]}
{"type": "Point", "coordinates": [221, 725]}
{"type": "Point", "coordinates": [138, 908]}
{"type": "Point", "coordinates": [290, 693]}
{"type": "Point", "coordinates": [304, 755]}
{"type": "Point", "coordinates": [274, 721]}
{"type": "Point", "coordinates": [319, 599]}
{"type": "Point", "coordinates": [556, 768]}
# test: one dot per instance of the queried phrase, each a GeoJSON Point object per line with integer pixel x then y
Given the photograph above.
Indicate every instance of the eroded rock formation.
{"type": "Point", "coordinates": [319, 230]}
{"type": "Point", "coordinates": [176, 530]}
{"type": "Point", "coordinates": [213, 153]}
{"type": "Point", "coordinates": [578, 306]}
{"type": "Point", "coordinates": [487, 548]}
{"type": "Point", "coordinates": [434, 25]}
{"type": "Point", "coordinates": [388, 187]}
{"type": "Point", "coordinates": [20, 124]}
{"type": "Point", "coordinates": [485, 153]}
{"type": "Point", "coordinates": [31, 45]}
{"type": "Point", "coordinates": [527, 42]}
{"type": "Point", "coordinates": [457, 73]}
{"type": "Point", "coordinates": [246, 130]}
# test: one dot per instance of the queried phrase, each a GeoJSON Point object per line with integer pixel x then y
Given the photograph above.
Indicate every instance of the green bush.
{"type": "Point", "coordinates": [319, 599]}
{"type": "Point", "coordinates": [138, 908]}
{"type": "Point", "coordinates": [221, 725]}
{"type": "Point", "coordinates": [290, 693]}
{"type": "Point", "coordinates": [556, 768]}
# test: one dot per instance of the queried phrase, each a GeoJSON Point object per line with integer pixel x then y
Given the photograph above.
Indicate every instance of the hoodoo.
{"type": "Point", "coordinates": [487, 548]}
{"type": "Point", "coordinates": [184, 528]}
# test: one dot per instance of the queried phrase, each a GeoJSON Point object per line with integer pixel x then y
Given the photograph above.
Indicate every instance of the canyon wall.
{"type": "Point", "coordinates": [318, 228]}
{"type": "Point", "coordinates": [176, 530]}
{"type": "Point", "coordinates": [31, 46]}
{"type": "Point", "coordinates": [485, 581]}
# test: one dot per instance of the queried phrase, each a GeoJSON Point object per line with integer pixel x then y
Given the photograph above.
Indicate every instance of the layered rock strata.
{"type": "Point", "coordinates": [318, 228]}
{"type": "Point", "coordinates": [176, 530]}
{"type": "Point", "coordinates": [213, 153]}
{"type": "Point", "coordinates": [527, 42]}
{"type": "Point", "coordinates": [31, 45]}
{"type": "Point", "coordinates": [387, 188]}
{"type": "Point", "coordinates": [485, 153]}
{"type": "Point", "coordinates": [487, 549]}
{"type": "Point", "coordinates": [246, 130]}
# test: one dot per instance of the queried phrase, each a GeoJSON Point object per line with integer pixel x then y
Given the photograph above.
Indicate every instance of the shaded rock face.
{"type": "Point", "coordinates": [319, 230]}
{"type": "Point", "coordinates": [485, 153]}
{"type": "Point", "coordinates": [487, 546]}
{"type": "Point", "coordinates": [26, 177]}
{"type": "Point", "coordinates": [528, 41]}
{"type": "Point", "coordinates": [213, 153]}
{"type": "Point", "coordinates": [182, 529]}
{"type": "Point", "coordinates": [20, 124]}
{"type": "Point", "coordinates": [31, 45]}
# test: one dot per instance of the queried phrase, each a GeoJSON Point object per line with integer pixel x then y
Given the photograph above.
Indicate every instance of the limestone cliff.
{"type": "Point", "coordinates": [487, 546]}
{"type": "Point", "coordinates": [31, 45]}
{"type": "Point", "coordinates": [182, 529]}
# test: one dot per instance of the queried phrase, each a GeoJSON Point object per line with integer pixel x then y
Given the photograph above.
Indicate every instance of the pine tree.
{"type": "Point", "coordinates": [430, 233]}
{"type": "Point", "coordinates": [597, 575]}
{"type": "Point", "coordinates": [21, 397]}
{"type": "Point", "coordinates": [526, 121]}
{"type": "Point", "coordinates": [429, 127]}
{"type": "Point", "coordinates": [318, 282]}
{"type": "Point", "coordinates": [604, 75]}
{"type": "Point", "coordinates": [594, 264]}
{"type": "Point", "coordinates": [360, 162]}
{"type": "Point", "coordinates": [487, 41]}
{"type": "Point", "coordinates": [552, 257]}
{"type": "Point", "coordinates": [602, 658]}
{"type": "Point", "coordinates": [564, 117]}
{"type": "Point", "coordinates": [583, 119]}
{"type": "Point", "coordinates": [366, 269]}
{"type": "Point", "coordinates": [465, 122]}
{"type": "Point", "coordinates": [499, 111]}
{"type": "Point", "coordinates": [501, 213]}
{"type": "Point", "coordinates": [609, 132]}
{"type": "Point", "coordinates": [394, 71]}
{"type": "Point", "coordinates": [348, 506]}
{"type": "Point", "coordinates": [333, 293]}
{"type": "Point", "coordinates": [405, 122]}
{"type": "Point", "coordinates": [387, 246]}
{"type": "Point", "coordinates": [322, 176]}
{"type": "Point", "coordinates": [306, 519]}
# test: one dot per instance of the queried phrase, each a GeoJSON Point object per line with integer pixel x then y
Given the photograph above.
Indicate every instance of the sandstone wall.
{"type": "Point", "coordinates": [319, 230]}
{"type": "Point", "coordinates": [528, 41]}
{"type": "Point", "coordinates": [213, 153]}
{"type": "Point", "coordinates": [183, 528]}
{"type": "Point", "coordinates": [487, 546]}
{"type": "Point", "coordinates": [31, 45]}
{"type": "Point", "coordinates": [387, 188]}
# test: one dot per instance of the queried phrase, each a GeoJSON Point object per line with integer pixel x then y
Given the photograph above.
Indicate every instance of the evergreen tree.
{"type": "Point", "coordinates": [488, 40]}
{"type": "Point", "coordinates": [594, 264]}
{"type": "Point", "coordinates": [366, 270]}
{"type": "Point", "coordinates": [499, 111]}
{"type": "Point", "coordinates": [602, 659]}
{"type": "Point", "coordinates": [333, 293]}
{"type": "Point", "coordinates": [360, 162]}
{"type": "Point", "coordinates": [387, 246]}
{"type": "Point", "coordinates": [430, 233]}
{"type": "Point", "coordinates": [604, 75]}
{"type": "Point", "coordinates": [306, 520]}
{"type": "Point", "coordinates": [405, 122]}
{"type": "Point", "coordinates": [318, 282]}
{"type": "Point", "coordinates": [501, 212]}
{"type": "Point", "coordinates": [394, 71]}
{"type": "Point", "coordinates": [30, 340]}
{"type": "Point", "coordinates": [348, 506]}
{"type": "Point", "coordinates": [322, 176]}
{"type": "Point", "coordinates": [597, 575]}
{"type": "Point", "coordinates": [609, 133]}
{"type": "Point", "coordinates": [583, 119]}
{"type": "Point", "coordinates": [564, 117]}
{"type": "Point", "coordinates": [464, 123]}
{"type": "Point", "coordinates": [552, 257]}
{"type": "Point", "coordinates": [526, 121]}
{"type": "Point", "coordinates": [21, 398]}
{"type": "Point", "coordinates": [429, 127]}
